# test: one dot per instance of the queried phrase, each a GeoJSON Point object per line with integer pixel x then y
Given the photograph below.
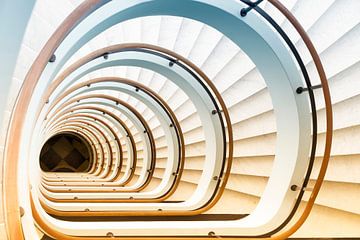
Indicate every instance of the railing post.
{"type": "Point", "coordinates": [252, 5]}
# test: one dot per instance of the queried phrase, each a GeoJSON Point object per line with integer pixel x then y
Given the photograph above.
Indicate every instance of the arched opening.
{"type": "Point", "coordinates": [65, 152]}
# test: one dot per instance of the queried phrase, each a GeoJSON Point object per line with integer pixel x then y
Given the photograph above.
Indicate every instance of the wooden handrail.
{"type": "Point", "coordinates": [329, 120]}
{"type": "Point", "coordinates": [73, 185]}
{"type": "Point", "coordinates": [154, 95]}
{"type": "Point", "coordinates": [89, 83]}
{"type": "Point", "coordinates": [127, 130]}
{"type": "Point", "coordinates": [107, 126]}
{"type": "Point", "coordinates": [326, 151]}
{"type": "Point", "coordinates": [91, 118]}
{"type": "Point", "coordinates": [11, 198]}
{"type": "Point", "coordinates": [131, 109]}
{"type": "Point", "coordinates": [110, 114]}
{"type": "Point", "coordinates": [97, 140]}
{"type": "Point", "coordinates": [89, 123]}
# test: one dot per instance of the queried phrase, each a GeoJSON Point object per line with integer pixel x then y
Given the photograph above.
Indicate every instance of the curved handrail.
{"type": "Point", "coordinates": [74, 189]}
{"type": "Point", "coordinates": [329, 118]}
{"type": "Point", "coordinates": [230, 150]}
{"type": "Point", "coordinates": [11, 202]}
{"type": "Point", "coordinates": [126, 105]}
{"type": "Point", "coordinates": [115, 137]}
{"type": "Point", "coordinates": [102, 151]}
{"type": "Point", "coordinates": [146, 90]}
{"type": "Point", "coordinates": [328, 140]}
{"type": "Point", "coordinates": [127, 131]}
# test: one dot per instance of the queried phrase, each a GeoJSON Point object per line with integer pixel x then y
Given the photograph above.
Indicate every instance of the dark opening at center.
{"type": "Point", "coordinates": [65, 153]}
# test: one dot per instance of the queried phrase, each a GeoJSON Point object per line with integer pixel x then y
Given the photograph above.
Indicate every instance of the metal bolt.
{"type": "Point", "coordinates": [243, 12]}
{"type": "Point", "coordinates": [22, 211]}
{"type": "Point", "coordinates": [299, 90]}
{"type": "Point", "coordinates": [52, 58]}
{"type": "Point", "coordinates": [172, 62]}
{"type": "Point", "coordinates": [294, 187]}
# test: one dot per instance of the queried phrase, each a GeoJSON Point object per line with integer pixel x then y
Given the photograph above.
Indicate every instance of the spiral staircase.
{"type": "Point", "coordinates": [191, 119]}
